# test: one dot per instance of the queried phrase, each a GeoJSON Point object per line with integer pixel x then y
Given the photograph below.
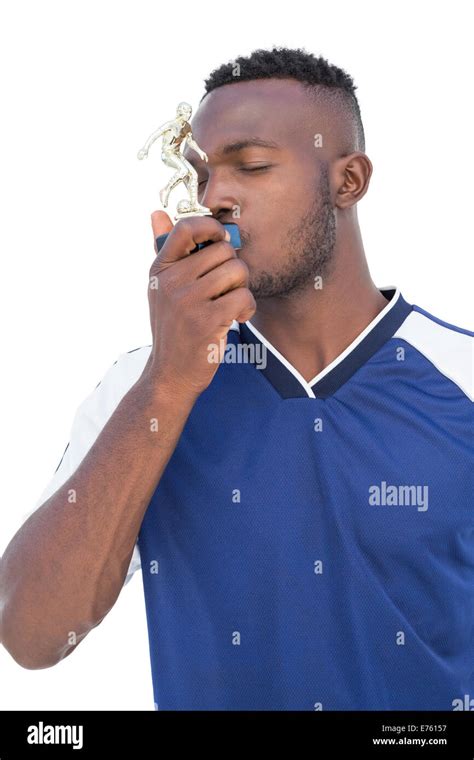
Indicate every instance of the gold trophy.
{"type": "Point", "coordinates": [177, 133]}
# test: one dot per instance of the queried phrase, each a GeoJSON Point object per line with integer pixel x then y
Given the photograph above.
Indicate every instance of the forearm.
{"type": "Point", "coordinates": [153, 139]}
{"type": "Point", "coordinates": [63, 570]}
{"type": "Point", "coordinates": [194, 146]}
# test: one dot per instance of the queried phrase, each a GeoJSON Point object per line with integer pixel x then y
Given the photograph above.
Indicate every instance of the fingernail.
{"type": "Point", "coordinates": [227, 235]}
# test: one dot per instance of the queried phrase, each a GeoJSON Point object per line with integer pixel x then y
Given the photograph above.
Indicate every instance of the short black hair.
{"type": "Point", "coordinates": [293, 63]}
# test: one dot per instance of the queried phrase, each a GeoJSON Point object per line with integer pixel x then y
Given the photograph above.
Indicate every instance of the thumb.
{"type": "Point", "coordinates": [160, 224]}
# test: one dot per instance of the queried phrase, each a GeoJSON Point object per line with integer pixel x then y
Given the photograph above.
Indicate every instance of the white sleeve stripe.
{"type": "Point", "coordinates": [90, 418]}
{"type": "Point", "coordinates": [450, 351]}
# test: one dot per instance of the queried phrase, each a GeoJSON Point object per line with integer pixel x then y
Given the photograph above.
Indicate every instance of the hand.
{"type": "Point", "coordinates": [203, 156]}
{"type": "Point", "coordinates": [143, 153]}
{"type": "Point", "coordinates": [193, 301]}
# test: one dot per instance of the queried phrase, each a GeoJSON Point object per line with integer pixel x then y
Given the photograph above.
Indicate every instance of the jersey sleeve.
{"type": "Point", "coordinates": [90, 418]}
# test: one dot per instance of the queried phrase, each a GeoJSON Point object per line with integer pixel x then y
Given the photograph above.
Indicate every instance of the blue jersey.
{"type": "Point", "coordinates": [310, 545]}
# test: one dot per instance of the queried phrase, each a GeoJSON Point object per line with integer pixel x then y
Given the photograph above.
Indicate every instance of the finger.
{"type": "Point", "coordinates": [196, 267]}
{"type": "Point", "coordinates": [160, 224]}
{"type": "Point", "coordinates": [187, 233]}
{"type": "Point", "coordinates": [238, 304]}
{"type": "Point", "coordinates": [232, 274]}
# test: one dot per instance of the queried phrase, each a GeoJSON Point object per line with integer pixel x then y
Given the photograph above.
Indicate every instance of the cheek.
{"type": "Point", "coordinates": [286, 200]}
{"type": "Point", "coordinates": [275, 209]}
{"type": "Point", "coordinates": [276, 203]}
{"type": "Point", "coordinates": [268, 249]}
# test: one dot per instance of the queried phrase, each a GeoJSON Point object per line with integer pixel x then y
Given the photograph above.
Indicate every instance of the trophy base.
{"type": "Point", "coordinates": [186, 214]}
{"type": "Point", "coordinates": [231, 227]}
{"type": "Point", "coordinates": [187, 207]}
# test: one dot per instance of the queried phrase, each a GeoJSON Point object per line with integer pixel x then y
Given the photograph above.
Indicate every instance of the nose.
{"type": "Point", "coordinates": [219, 197]}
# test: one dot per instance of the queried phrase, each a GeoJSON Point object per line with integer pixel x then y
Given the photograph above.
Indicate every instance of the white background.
{"type": "Point", "coordinates": [83, 85]}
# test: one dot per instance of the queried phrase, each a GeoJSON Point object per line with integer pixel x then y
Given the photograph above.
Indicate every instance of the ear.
{"type": "Point", "coordinates": [351, 177]}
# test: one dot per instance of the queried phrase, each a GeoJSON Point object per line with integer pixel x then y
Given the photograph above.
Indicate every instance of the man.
{"type": "Point", "coordinates": [304, 524]}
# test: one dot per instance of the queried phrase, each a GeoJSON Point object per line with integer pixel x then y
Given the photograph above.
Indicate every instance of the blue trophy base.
{"type": "Point", "coordinates": [230, 226]}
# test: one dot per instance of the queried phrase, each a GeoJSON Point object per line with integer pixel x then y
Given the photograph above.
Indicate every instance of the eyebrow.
{"type": "Point", "coordinates": [237, 145]}
{"type": "Point", "coordinates": [248, 143]}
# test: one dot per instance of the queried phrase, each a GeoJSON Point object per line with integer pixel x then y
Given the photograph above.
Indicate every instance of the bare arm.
{"type": "Point", "coordinates": [194, 146]}
{"type": "Point", "coordinates": [143, 152]}
{"type": "Point", "coordinates": [64, 569]}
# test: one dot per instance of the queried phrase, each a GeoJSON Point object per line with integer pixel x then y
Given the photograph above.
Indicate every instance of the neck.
{"type": "Point", "coordinates": [311, 328]}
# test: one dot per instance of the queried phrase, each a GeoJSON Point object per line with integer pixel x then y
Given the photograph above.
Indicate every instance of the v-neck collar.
{"type": "Point", "coordinates": [291, 384]}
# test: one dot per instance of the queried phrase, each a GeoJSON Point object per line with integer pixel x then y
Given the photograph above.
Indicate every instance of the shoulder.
{"type": "Point", "coordinates": [126, 369]}
{"type": "Point", "coordinates": [93, 412]}
{"type": "Point", "coordinates": [448, 347]}
{"type": "Point", "coordinates": [115, 383]}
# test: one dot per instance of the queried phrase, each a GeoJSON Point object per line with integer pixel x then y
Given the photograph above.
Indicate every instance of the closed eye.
{"type": "Point", "coordinates": [245, 169]}
{"type": "Point", "coordinates": [254, 168]}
